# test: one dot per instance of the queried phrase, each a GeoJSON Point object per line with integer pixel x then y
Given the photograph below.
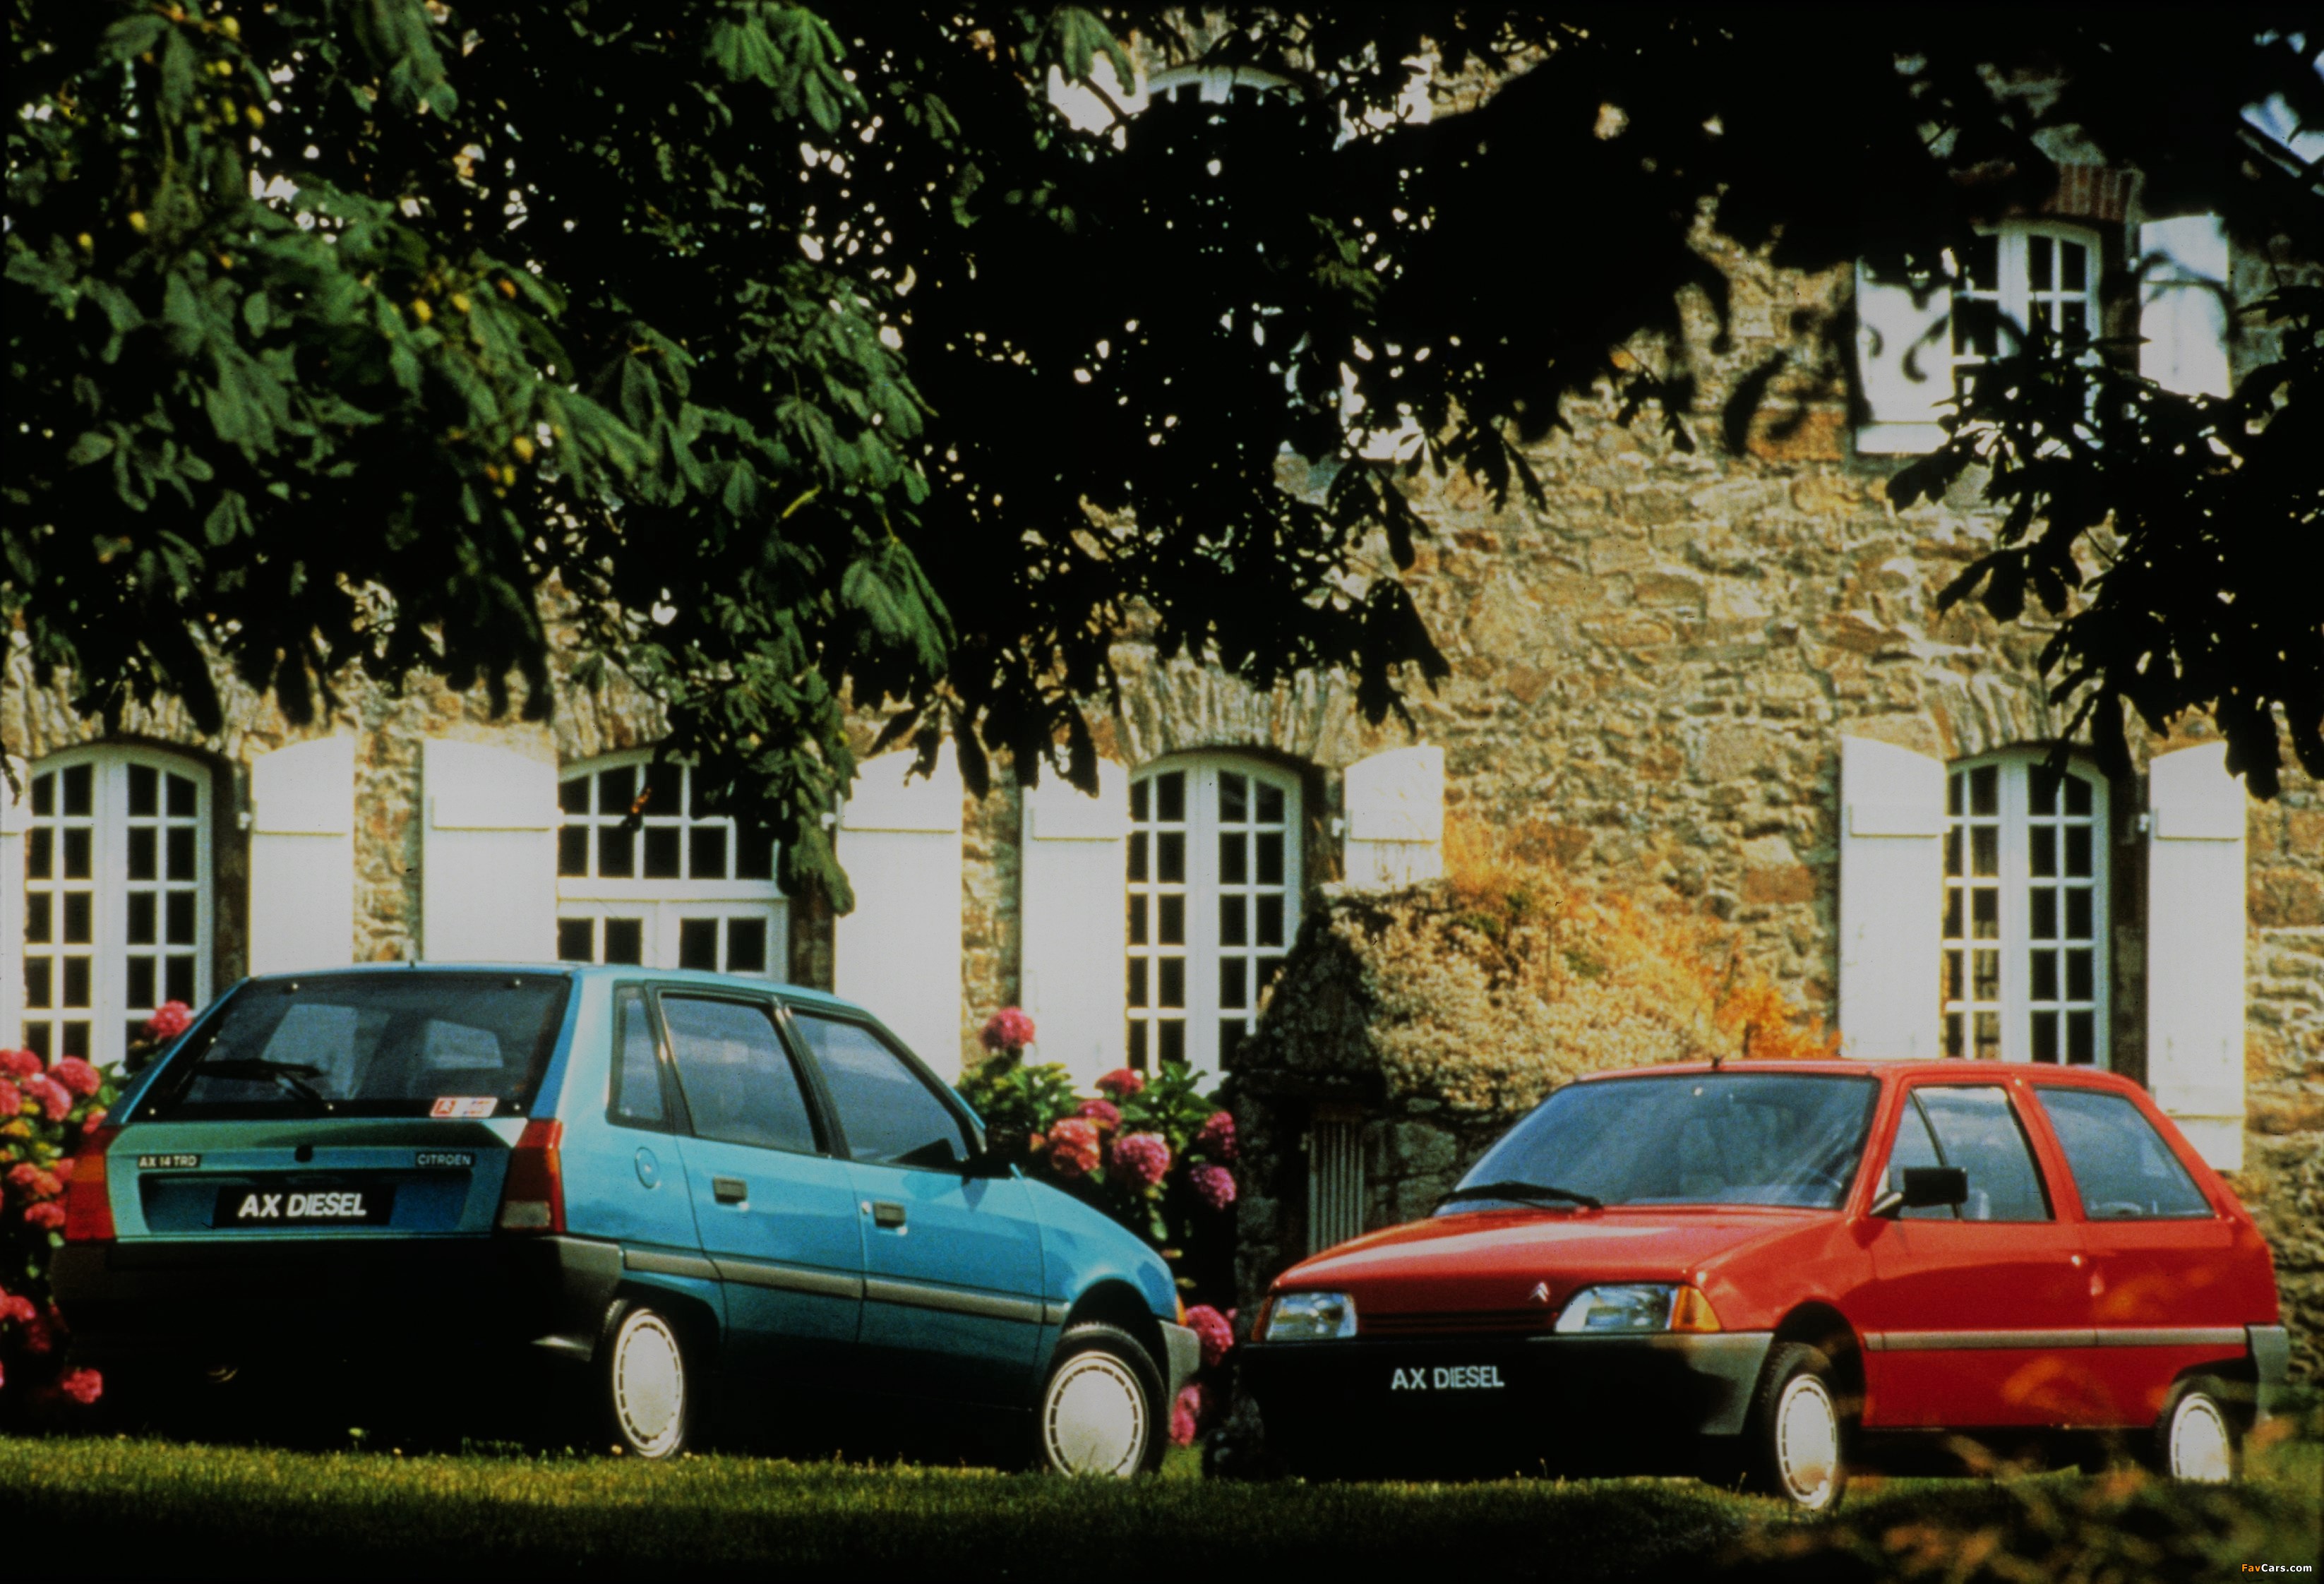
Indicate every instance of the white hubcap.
{"type": "Point", "coordinates": [648, 1385]}
{"type": "Point", "coordinates": [2200, 1445]}
{"type": "Point", "coordinates": [1807, 1442]}
{"type": "Point", "coordinates": [1094, 1420]}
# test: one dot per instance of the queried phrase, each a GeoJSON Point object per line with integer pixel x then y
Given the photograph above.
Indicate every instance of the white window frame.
{"type": "Point", "coordinates": [662, 905]}
{"type": "Point", "coordinates": [109, 823]}
{"type": "Point", "coordinates": [2016, 828]}
{"type": "Point", "coordinates": [2013, 292]}
{"type": "Point", "coordinates": [1202, 952]}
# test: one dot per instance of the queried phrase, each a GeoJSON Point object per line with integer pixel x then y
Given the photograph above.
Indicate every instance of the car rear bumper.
{"type": "Point", "coordinates": [211, 1302]}
{"type": "Point", "coordinates": [1609, 1402]}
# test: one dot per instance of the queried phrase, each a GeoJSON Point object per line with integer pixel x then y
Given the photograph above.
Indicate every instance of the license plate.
{"type": "Point", "coordinates": [304, 1207]}
{"type": "Point", "coordinates": [1434, 1378]}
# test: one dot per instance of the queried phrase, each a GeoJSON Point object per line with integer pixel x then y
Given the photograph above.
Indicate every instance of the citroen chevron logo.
{"type": "Point", "coordinates": [1540, 1294]}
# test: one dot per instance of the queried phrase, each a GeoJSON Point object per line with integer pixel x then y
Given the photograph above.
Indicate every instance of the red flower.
{"type": "Point", "coordinates": [1214, 1185]}
{"type": "Point", "coordinates": [55, 1099]}
{"type": "Point", "coordinates": [92, 1122]}
{"type": "Point", "coordinates": [1073, 1146]}
{"type": "Point", "coordinates": [19, 1064]}
{"type": "Point", "coordinates": [38, 1336]}
{"type": "Point", "coordinates": [1141, 1159]}
{"type": "Point", "coordinates": [1122, 1083]}
{"type": "Point", "coordinates": [1103, 1112]}
{"type": "Point", "coordinates": [1215, 1137]}
{"type": "Point", "coordinates": [1213, 1330]}
{"type": "Point", "coordinates": [33, 1183]}
{"type": "Point", "coordinates": [48, 1215]}
{"type": "Point", "coordinates": [62, 1170]}
{"type": "Point", "coordinates": [1186, 1414]}
{"type": "Point", "coordinates": [170, 1020]}
{"type": "Point", "coordinates": [77, 1075]}
{"type": "Point", "coordinates": [82, 1386]}
{"type": "Point", "coordinates": [15, 1306]}
{"type": "Point", "coordinates": [1008, 1029]}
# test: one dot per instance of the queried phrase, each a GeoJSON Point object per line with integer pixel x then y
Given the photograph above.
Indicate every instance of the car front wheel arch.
{"type": "Point", "coordinates": [1118, 1303]}
{"type": "Point", "coordinates": [1823, 1328]}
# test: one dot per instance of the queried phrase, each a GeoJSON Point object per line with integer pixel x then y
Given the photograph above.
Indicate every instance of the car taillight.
{"type": "Point", "coordinates": [88, 1206]}
{"type": "Point", "coordinates": [533, 1199]}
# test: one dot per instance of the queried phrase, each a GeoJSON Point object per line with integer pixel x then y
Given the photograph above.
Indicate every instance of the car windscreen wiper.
{"type": "Point", "coordinates": [290, 1075]}
{"type": "Point", "coordinates": [1522, 1191]}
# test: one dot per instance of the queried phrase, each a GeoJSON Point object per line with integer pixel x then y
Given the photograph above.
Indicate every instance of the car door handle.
{"type": "Point", "coordinates": [887, 1212]}
{"type": "Point", "coordinates": [729, 1190]}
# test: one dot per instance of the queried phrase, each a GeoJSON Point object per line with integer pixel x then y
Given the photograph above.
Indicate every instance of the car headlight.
{"type": "Point", "coordinates": [1637, 1306]}
{"type": "Point", "coordinates": [1311, 1317]}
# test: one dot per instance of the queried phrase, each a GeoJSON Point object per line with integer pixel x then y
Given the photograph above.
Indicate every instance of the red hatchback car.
{"type": "Point", "coordinates": [1759, 1267]}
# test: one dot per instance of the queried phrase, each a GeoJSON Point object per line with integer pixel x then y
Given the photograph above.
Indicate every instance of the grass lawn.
{"type": "Point", "coordinates": [102, 1507]}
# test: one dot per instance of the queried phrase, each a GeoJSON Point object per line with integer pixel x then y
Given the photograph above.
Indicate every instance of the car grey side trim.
{"type": "Point", "coordinates": [985, 1306]}
{"type": "Point", "coordinates": [647, 1262]}
{"type": "Point", "coordinates": [789, 1278]}
{"type": "Point", "coordinates": [2173, 1336]}
{"type": "Point", "coordinates": [2168, 1336]}
{"type": "Point", "coordinates": [1054, 1312]}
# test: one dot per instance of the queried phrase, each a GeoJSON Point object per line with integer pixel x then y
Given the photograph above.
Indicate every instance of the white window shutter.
{"type": "Point", "coordinates": [2195, 913]}
{"type": "Point", "coordinates": [1395, 806]}
{"type": "Point", "coordinates": [487, 855]}
{"type": "Point", "coordinates": [14, 815]}
{"type": "Point", "coordinates": [1892, 822]}
{"type": "Point", "coordinates": [2182, 309]}
{"type": "Point", "coordinates": [898, 953]}
{"type": "Point", "coordinates": [302, 856]}
{"type": "Point", "coordinates": [1904, 365]}
{"type": "Point", "coordinates": [1071, 917]}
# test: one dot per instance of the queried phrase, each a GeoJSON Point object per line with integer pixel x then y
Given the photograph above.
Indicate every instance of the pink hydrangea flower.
{"type": "Point", "coordinates": [1008, 1029]}
{"type": "Point", "coordinates": [15, 1306]}
{"type": "Point", "coordinates": [1103, 1112]}
{"type": "Point", "coordinates": [19, 1064]}
{"type": "Point", "coordinates": [82, 1386]}
{"type": "Point", "coordinates": [33, 1183]}
{"type": "Point", "coordinates": [39, 1337]}
{"type": "Point", "coordinates": [1142, 1158]}
{"type": "Point", "coordinates": [48, 1215]}
{"type": "Point", "coordinates": [170, 1020]}
{"type": "Point", "coordinates": [92, 1122]}
{"type": "Point", "coordinates": [1122, 1083]}
{"type": "Point", "coordinates": [77, 1075]}
{"type": "Point", "coordinates": [1215, 1137]}
{"type": "Point", "coordinates": [1186, 1414]}
{"type": "Point", "coordinates": [55, 1099]}
{"type": "Point", "coordinates": [1073, 1146]}
{"type": "Point", "coordinates": [1214, 1185]}
{"type": "Point", "coordinates": [1213, 1330]}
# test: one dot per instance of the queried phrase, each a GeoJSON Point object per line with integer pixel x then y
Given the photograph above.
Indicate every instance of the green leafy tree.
{"type": "Point", "coordinates": [792, 359]}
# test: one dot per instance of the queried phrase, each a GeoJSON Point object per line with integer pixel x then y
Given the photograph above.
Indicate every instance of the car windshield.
{"type": "Point", "coordinates": [425, 1043]}
{"type": "Point", "coordinates": [1789, 1139]}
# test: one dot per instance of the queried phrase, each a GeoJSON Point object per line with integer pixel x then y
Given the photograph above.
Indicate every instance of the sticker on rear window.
{"type": "Point", "coordinates": [461, 1105]}
{"type": "Point", "coordinates": [444, 1157]}
{"type": "Point", "coordinates": [168, 1163]}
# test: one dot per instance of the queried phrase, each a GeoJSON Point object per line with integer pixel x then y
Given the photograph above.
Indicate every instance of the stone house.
{"type": "Point", "coordinates": [1719, 672]}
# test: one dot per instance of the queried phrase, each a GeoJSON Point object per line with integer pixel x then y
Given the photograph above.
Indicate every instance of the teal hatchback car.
{"type": "Point", "coordinates": [656, 1187]}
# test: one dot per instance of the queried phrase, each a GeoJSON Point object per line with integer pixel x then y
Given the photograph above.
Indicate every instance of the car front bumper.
{"type": "Point", "coordinates": [212, 1302]}
{"type": "Point", "coordinates": [1614, 1403]}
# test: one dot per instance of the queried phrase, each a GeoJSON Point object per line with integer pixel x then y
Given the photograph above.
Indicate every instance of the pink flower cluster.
{"type": "Point", "coordinates": [1074, 1147]}
{"type": "Point", "coordinates": [1214, 1329]}
{"type": "Point", "coordinates": [1187, 1413]}
{"type": "Point", "coordinates": [1122, 1083]}
{"type": "Point", "coordinates": [173, 1019]}
{"type": "Point", "coordinates": [1103, 1112]}
{"type": "Point", "coordinates": [1212, 1184]}
{"type": "Point", "coordinates": [1008, 1029]}
{"type": "Point", "coordinates": [1215, 1137]}
{"type": "Point", "coordinates": [1142, 1160]}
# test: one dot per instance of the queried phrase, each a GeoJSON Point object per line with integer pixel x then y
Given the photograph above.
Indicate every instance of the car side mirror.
{"type": "Point", "coordinates": [1925, 1188]}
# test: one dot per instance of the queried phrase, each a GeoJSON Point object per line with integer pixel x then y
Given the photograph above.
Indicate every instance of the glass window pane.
{"type": "Point", "coordinates": [2042, 850]}
{"type": "Point", "coordinates": [1235, 799]}
{"type": "Point", "coordinates": [1170, 1042]}
{"type": "Point", "coordinates": [2045, 1037]}
{"type": "Point", "coordinates": [1270, 921]}
{"type": "Point", "coordinates": [2043, 906]}
{"type": "Point", "coordinates": [1985, 790]}
{"type": "Point", "coordinates": [576, 939]}
{"type": "Point", "coordinates": [2078, 851]}
{"type": "Point", "coordinates": [44, 795]}
{"type": "Point", "coordinates": [1955, 982]}
{"type": "Point", "coordinates": [1171, 915]}
{"type": "Point", "coordinates": [739, 1082]}
{"type": "Point", "coordinates": [2081, 984]}
{"type": "Point", "coordinates": [182, 797]}
{"type": "Point", "coordinates": [1139, 801]}
{"type": "Point", "coordinates": [1914, 1147]}
{"type": "Point", "coordinates": [1171, 987]}
{"type": "Point", "coordinates": [1953, 785]}
{"type": "Point", "coordinates": [746, 945]}
{"type": "Point", "coordinates": [182, 852]}
{"type": "Point", "coordinates": [625, 940]}
{"type": "Point", "coordinates": [1985, 976]}
{"type": "Point", "coordinates": [1137, 976]}
{"type": "Point", "coordinates": [80, 799]}
{"type": "Point", "coordinates": [1234, 855]}
{"type": "Point", "coordinates": [78, 864]}
{"type": "Point", "coordinates": [698, 943]}
{"type": "Point", "coordinates": [572, 850]}
{"type": "Point", "coordinates": [179, 911]}
{"type": "Point", "coordinates": [1233, 922]}
{"type": "Point", "coordinates": [1985, 913]}
{"type": "Point", "coordinates": [40, 854]}
{"type": "Point", "coordinates": [1953, 853]}
{"type": "Point", "coordinates": [637, 1098]}
{"type": "Point", "coordinates": [1977, 327]}
{"type": "Point", "coordinates": [1270, 857]}
{"type": "Point", "coordinates": [886, 1110]}
{"type": "Point", "coordinates": [1170, 857]}
{"type": "Point", "coordinates": [2044, 976]}
{"type": "Point", "coordinates": [616, 790]}
{"type": "Point", "coordinates": [144, 920]}
{"type": "Point", "coordinates": [2078, 796]}
{"type": "Point", "coordinates": [1231, 981]}
{"type": "Point", "coordinates": [1977, 1131]}
{"type": "Point", "coordinates": [2042, 789]}
{"type": "Point", "coordinates": [1137, 921]}
{"type": "Point", "coordinates": [1170, 797]}
{"type": "Point", "coordinates": [705, 857]}
{"type": "Point", "coordinates": [2121, 1167]}
{"type": "Point", "coordinates": [144, 792]}
{"type": "Point", "coordinates": [2081, 1039]}
{"type": "Point", "coordinates": [1984, 850]}
{"type": "Point", "coordinates": [1138, 857]}
{"type": "Point", "coordinates": [138, 991]}
{"type": "Point", "coordinates": [2078, 915]}
{"type": "Point", "coordinates": [38, 920]}
{"type": "Point", "coordinates": [178, 980]}
{"type": "Point", "coordinates": [1137, 1055]}
{"type": "Point", "coordinates": [662, 852]}
{"type": "Point", "coordinates": [1270, 804]}
{"type": "Point", "coordinates": [40, 982]}
{"type": "Point", "coordinates": [1952, 913]}
{"type": "Point", "coordinates": [80, 918]}
{"type": "Point", "coordinates": [573, 794]}
{"type": "Point", "coordinates": [2038, 266]}
{"type": "Point", "coordinates": [1987, 1029]}
{"type": "Point", "coordinates": [617, 851]}
{"type": "Point", "coordinates": [1981, 261]}
{"type": "Point", "coordinates": [2074, 259]}
{"type": "Point", "coordinates": [754, 854]}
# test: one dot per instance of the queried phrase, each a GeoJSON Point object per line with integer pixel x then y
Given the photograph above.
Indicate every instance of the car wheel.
{"type": "Point", "coordinates": [1795, 1438]}
{"type": "Point", "coordinates": [1101, 1407]}
{"type": "Point", "coordinates": [648, 1388]}
{"type": "Point", "coordinates": [2195, 1438]}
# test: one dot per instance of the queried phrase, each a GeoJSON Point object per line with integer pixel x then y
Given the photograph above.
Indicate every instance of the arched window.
{"type": "Point", "coordinates": [1213, 902]}
{"type": "Point", "coordinates": [2024, 275]}
{"type": "Point", "coordinates": [683, 889]}
{"type": "Point", "coordinates": [2024, 975]}
{"type": "Point", "coordinates": [116, 897]}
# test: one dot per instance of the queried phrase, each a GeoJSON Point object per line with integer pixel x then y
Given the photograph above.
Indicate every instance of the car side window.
{"type": "Point", "coordinates": [2122, 1169]}
{"type": "Point", "coordinates": [887, 1111]}
{"type": "Point", "coordinates": [1915, 1146]}
{"type": "Point", "coordinates": [637, 1100]}
{"type": "Point", "coordinates": [738, 1079]}
{"type": "Point", "coordinates": [1976, 1130]}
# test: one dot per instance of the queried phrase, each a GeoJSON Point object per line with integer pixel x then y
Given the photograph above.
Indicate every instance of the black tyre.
{"type": "Point", "coordinates": [645, 1382]}
{"type": "Point", "coordinates": [1795, 1439]}
{"type": "Point", "coordinates": [2196, 1435]}
{"type": "Point", "coordinates": [1100, 1409]}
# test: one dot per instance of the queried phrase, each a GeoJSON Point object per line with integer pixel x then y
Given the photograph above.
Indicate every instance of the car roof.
{"type": "Point", "coordinates": [1882, 1067]}
{"type": "Point", "coordinates": [579, 972]}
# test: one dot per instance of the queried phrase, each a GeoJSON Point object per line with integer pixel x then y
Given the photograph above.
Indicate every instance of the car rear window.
{"type": "Point", "coordinates": [378, 1044]}
{"type": "Point", "coordinates": [1692, 1139]}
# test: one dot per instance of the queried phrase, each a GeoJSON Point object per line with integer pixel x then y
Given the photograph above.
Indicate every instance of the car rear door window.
{"type": "Point", "coordinates": [887, 1112]}
{"type": "Point", "coordinates": [1976, 1130]}
{"type": "Point", "coordinates": [738, 1081]}
{"type": "Point", "coordinates": [2122, 1169]}
{"type": "Point", "coordinates": [637, 1100]}
{"type": "Point", "coordinates": [1916, 1147]}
